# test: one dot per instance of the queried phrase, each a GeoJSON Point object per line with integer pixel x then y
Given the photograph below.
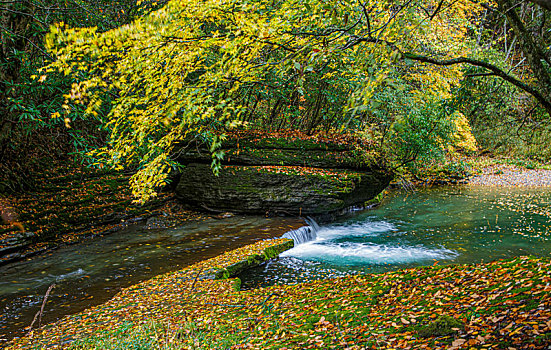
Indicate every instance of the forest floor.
{"type": "Point", "coordinates": [70, 203]}
{"type": "Point", "coordinates": [480, 170]}
{"type": "Point", "coordinates": [500, 305]}
{"type": "Point", "coordinates": [502, 173]}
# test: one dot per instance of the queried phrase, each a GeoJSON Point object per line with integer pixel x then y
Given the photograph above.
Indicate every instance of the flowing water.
{"type": "Point", "coordinates": [432, 226]}
{"type": "Point", "coordinates": [89, 273]}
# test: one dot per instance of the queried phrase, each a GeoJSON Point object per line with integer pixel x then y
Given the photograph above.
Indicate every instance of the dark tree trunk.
{"type": "Point", "coordinates": [532, 51]}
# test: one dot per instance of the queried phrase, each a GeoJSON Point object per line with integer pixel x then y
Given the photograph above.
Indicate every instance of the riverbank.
{"type": "Point", "coordinates": [505, 304]}
{"type": "Point", "coordinates": [503, 174]}
{"type": "Point", "coordinates": [479, 171]}
{"type": "Point", "coordinates": [71, 203]}
{"type": "Point", "coordinates": [500, 305]}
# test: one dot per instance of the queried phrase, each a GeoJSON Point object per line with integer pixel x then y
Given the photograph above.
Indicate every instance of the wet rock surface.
{"type": "Point", "coordinates": [281, 177]}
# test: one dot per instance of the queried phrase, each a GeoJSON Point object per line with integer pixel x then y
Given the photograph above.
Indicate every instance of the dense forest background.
{"type": "Point", "coordinates": [29, 136]}
{"type": "Point", "coordinates": [415, 79]}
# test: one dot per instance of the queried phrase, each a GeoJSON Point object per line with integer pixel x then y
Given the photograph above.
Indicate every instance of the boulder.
{"type": "Point", "coordinates": [280, 176]}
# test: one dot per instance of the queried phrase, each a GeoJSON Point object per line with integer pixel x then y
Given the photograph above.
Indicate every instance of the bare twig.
{"type": "Point", "coordinates": [39, 313]}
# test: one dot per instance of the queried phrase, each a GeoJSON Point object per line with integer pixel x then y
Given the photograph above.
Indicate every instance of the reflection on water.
{"type": "Point", "coordinates": [432, 226]}
{"type": "Point", "coordinates": [92, 272]}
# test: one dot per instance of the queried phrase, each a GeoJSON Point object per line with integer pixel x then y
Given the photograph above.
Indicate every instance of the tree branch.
{"type": "Point", "coordinates": [546, 103]}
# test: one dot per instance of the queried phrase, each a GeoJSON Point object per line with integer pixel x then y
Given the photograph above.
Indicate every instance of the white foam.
{"type": "Point", "coordinates": [367, 253]}
{"type": "Point", "coordinates": [69, 275]}
{"type": "Point", "coordinates": [360, 229]}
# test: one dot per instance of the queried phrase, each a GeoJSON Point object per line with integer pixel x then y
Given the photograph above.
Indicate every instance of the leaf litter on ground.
{"type": "Point", "coordinates": [499, 305]}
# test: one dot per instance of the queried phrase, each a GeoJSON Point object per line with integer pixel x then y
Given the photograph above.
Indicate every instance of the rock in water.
{"type": "Point", "coordinates": [291, 178]}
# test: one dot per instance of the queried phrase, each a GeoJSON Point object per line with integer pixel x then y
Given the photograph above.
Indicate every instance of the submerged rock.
{"type": "Point", "coordinates": [280, 176]}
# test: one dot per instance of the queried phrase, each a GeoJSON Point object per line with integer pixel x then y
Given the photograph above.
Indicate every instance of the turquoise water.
{"type": "Point", "coordinates": [446, 225]}
{"type": "Point", "coordinates": [432, 226]}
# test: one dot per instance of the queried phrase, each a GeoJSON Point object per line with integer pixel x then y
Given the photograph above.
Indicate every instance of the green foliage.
{"type": "Point", "coordinates": [504, 121]}
{"type": "Point", "coordinates": [194, 69]}
{"type": "Point", "coordinates": [28, 101]}
{"type": "Point", "coordinates": [408, 133]}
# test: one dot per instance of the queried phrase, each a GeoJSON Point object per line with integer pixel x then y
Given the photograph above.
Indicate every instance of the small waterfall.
{"type": "Point", "coordinates": [304, 234]}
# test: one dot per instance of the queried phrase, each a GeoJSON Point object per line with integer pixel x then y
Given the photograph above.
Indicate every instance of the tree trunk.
{"type": "Point", "coordinates": [532, 51]}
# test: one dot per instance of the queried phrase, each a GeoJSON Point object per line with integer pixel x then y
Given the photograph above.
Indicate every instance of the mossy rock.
{"type": "Point", "coordinates": [290, 143]}
{"type": "Point", "coordinates": [443, 325]}
{"type": "Point", "coordinates": [278, 190]}
{"type": "Point", "coordinates": [253, 260]}
{"type": "Point", "coordinates": [282, 151]}
{"type": "Point", "coordinates": [274, 251]}
{"type": "Point", "coordinates": [290, 157]}
{"type": "Point", "coordinates": [281, 175]}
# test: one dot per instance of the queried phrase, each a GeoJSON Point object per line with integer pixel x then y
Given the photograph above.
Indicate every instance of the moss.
{"type": "Point", "coordinates": [221, 274]}
{"type": "Point", "coordinates": [290, 143]}
{"type": "Point", "coordinates": [236, 284]}
{"type": "Point", "coordinates": [253, 260]}
{"type": "Point", "coordinates": [324, 181]}
{"type": "Point", "coordinates": [297, 157]}
{"type": "Point", "coordinates": [375, 201]}
{"type": "Point", "coordinates": [443, 325]}
{"type": "Point", "coordinates": [274, 251]}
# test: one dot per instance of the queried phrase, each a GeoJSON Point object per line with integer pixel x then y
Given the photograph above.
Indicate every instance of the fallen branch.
{"type": "Point", "coordinates": [39, 313]}
{"type": "Point", "coordinates": [196, 277]}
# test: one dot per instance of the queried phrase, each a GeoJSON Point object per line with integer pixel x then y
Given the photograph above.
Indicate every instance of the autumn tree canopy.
{"type": "Point", "coordinates": [387, 70]}
{"type": "Point", "coordinates": [27, 133]}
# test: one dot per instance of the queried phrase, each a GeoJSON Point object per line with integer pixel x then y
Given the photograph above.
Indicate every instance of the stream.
{"type": "Point", "coordinates": [444, 225]}
{"type": "Point", "coordinates": [91, 272]}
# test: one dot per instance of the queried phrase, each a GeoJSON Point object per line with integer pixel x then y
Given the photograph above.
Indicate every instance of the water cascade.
{"type": "Point", "coordinates": [445, 225]}
{"type": "Point", "coordinates": [304, 234]}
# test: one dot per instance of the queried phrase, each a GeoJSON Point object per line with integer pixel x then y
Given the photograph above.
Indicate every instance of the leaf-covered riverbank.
{"type": "Point", "coordinates": [71, 202]}
{"type": "Point", "coordinates": [500, 305]}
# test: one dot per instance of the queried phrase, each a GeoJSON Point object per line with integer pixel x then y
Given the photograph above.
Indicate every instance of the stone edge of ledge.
{"type": "Point", "coordinates": [254, 260]}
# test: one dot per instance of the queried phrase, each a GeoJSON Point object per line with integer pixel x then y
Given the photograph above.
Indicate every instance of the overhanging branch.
{"type": "Point", "coordinates": [545, 102]}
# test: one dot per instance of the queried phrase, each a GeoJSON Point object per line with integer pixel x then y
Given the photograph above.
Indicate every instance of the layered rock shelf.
{"type": "Point", "coordinates": [281, 176]}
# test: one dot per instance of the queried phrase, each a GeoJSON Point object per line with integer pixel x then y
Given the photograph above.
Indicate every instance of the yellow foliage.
{"type": "Point", "coordinates": [180, 71]}
{"type": "Point", "coordinates": [463, 137]}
